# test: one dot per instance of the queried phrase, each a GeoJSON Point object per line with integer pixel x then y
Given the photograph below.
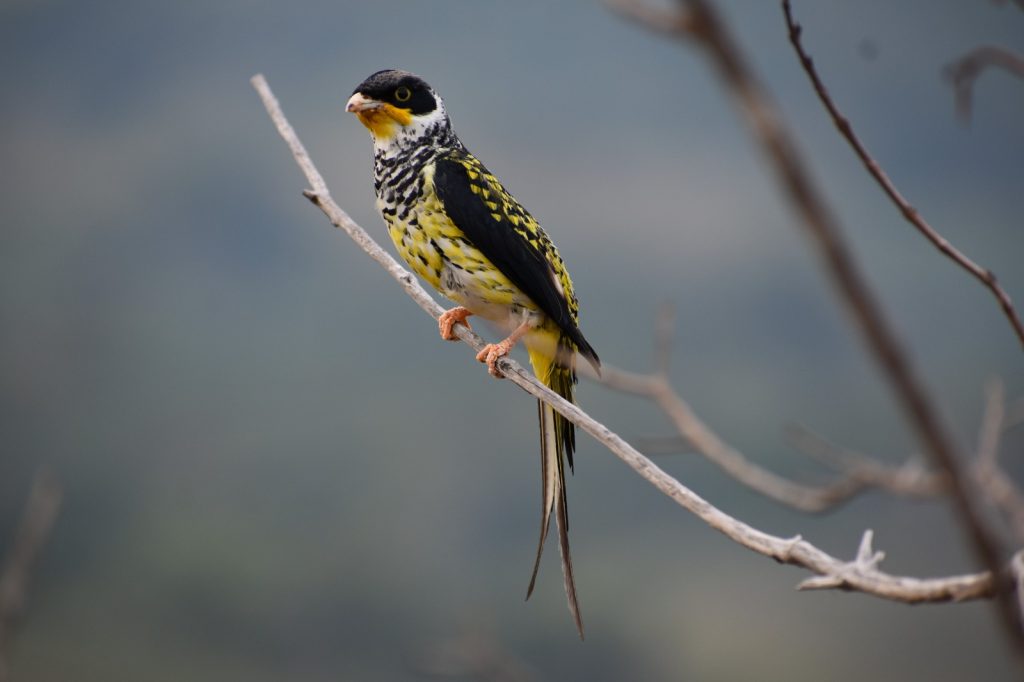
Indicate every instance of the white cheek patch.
{"type": "Point", "coordinates": [408, 135]}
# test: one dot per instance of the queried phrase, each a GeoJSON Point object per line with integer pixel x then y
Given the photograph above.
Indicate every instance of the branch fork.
{"type": "Point", "coordinates": [865, 565]}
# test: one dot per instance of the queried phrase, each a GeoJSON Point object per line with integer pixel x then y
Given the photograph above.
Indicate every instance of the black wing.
{"type": "Point", "coordinates": [514, 244]}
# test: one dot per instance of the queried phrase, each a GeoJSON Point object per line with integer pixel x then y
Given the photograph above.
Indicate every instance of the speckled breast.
{"type": "Point", "coordinates": [436, 249]}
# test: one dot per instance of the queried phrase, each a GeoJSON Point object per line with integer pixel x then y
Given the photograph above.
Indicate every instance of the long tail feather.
{"type": "Point", "coordinates": [549, 483]}
{"type": "Point", "coordinates": [562, 521]}
{"type": "Point", "coordinates": [557, 443]}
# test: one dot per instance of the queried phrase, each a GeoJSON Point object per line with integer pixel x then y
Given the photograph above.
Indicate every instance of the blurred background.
{"type": "Point", "coordinates": [273, 467]}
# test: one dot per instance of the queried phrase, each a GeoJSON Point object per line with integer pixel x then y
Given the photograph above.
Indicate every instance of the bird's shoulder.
{"type": "Point", "coordinates": [482, 204]}
{"type": "Point", "coordinates": [462, 172]}
{"type": "Point", "coordinates": [496, 223]}
{"type": "Point", "coordinates": [505, 232]}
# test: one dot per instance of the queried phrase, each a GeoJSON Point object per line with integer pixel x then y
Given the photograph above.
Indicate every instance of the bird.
{"type": "Point", "coordinates": [461, 231]}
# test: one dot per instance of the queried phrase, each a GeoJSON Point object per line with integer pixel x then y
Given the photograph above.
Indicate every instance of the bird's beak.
{"type": "Point", "coordinates": [381, 118]}
{"type": "Point", "coordinates": [360, 102]}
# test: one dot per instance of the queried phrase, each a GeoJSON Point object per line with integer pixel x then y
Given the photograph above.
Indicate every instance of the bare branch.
{"type": "Point", "coordinates": [658, 388]}
{"type": "Point", "coordinates": [865, 563]}
{"type": "Point", "coordinates": [999, 488]}
{"type": "Point", "coordinates": [672, 23]}
{"type": "Point", "coordinates": [983, 275]}
{"type": "Point", "coordinates": [913, 480]}
{"type": "Point", "coordinates": [910, 479]}
{"type": "Point", "coordinates": [858, 472]}
{"type": "Point", "coordinates": [821, 228]}
{"type": "Point", "coordinates": [41, 510]}
{"type": "Point", "coordinates": [704, 440]}
{"type": "Point", "coordinates": [991, 425]}
{"type": "Point", "coordinates": [793, 551]}
{"type": "Point", "coordinates": [964, 72]}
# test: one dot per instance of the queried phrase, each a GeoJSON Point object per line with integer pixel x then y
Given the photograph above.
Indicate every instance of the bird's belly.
{"type": "Point", "coordinates": [438, 252]}
{"type": "Point", "coordinates": [486, 292]}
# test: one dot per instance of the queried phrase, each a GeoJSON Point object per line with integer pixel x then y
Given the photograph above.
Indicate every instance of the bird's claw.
{"type": "Point", "coordinates": [491, 353]}
{"type": "Point", "coordinates": [449, 319]}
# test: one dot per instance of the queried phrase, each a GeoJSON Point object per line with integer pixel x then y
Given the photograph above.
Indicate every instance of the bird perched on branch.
{"type": "Point", "coordinates": [461, 231]}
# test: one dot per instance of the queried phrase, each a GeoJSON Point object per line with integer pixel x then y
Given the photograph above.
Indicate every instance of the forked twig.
{"type": "Point", "coordinates": [910, 479]}
{"type": "Point", "coordinates": [657, 388]}
{"type": "Point", "coordinates": [806, 498]}
{"type": "Point", "coordinates": [964, 72]}
{"type": "Point", "coordinates": [983, 275]}
{"type": "Point", "coordinates": [857, 472]}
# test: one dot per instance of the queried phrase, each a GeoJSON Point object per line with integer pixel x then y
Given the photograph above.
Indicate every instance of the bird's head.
{"type": "Point", "coordinates": [397, 104]}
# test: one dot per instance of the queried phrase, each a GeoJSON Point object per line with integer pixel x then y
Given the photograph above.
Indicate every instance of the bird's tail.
{"type": "Point", "coordinates": [557, 443]}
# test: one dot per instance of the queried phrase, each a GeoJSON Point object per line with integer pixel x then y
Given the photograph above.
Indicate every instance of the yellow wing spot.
{"type": "Point", "coordinates": [492, 205]}
{"type": "Point", "coordinates": [473, 175]}
{"type": "Point", "coordinates": [496, 217]}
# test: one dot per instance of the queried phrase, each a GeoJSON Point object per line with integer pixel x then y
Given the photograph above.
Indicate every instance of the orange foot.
{"type": "Point", "coordinates": [492, 352]}
{"type": "Point", "coordinates": [449, 319]}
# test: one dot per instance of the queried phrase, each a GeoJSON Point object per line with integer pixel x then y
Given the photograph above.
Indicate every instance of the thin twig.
{"type": "Point", "coordinates": [913, 480]}
{"type": "Point", "coordinates": [41, 510]}
{"type": "Point", "coordinates": [707, 30]}
{"type": "Point", "coordinates": [964, 72]}
{"type": "Point", "coordinates": [983, 275]}
{"type": "Point", "coordinates": [999, 488]}
{"type": "Point", "coordinates": [991, 430]}
{"type": "Point", "coordinates": [910, 479]}
{"type": "Point", "coordinates": [858, 472]}
{"type": "Point", "coordinates": [794, 551]}
{"type": "Point", "coordinates": [806, 498]}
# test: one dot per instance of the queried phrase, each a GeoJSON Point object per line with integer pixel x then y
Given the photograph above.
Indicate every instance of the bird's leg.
{"type": "Point", "coordinates": [493, 351]}
{"type": "Point", "coordinates": [449, 319]}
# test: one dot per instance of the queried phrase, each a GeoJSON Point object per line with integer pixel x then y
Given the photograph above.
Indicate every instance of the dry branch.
{"type": "Point", "coordinates": [795, 551]}
{"type": "Point", "coordinates": [699, 22]}
{"type": "Point", "coordinates": [858, 472]}
{"type": "Point", "coordinates": [964, 72]}
{"type": "Point", "coordinates": [910, 479]}
{"type": "Point", "coordinates": [999, 488]}
{"type": "Point", "coordinates": [703, 439]}
{"type": "Point", "coordinates": [983, 275]}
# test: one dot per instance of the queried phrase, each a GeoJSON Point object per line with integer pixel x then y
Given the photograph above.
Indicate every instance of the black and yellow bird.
{"type": "Point", "coordinates": [460, 230]}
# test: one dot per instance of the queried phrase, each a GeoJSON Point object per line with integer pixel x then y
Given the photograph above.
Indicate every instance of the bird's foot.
{"type": "Point", "coordinates": [493, 352]}
{"type": "Point", "coordinates": [449, 319]}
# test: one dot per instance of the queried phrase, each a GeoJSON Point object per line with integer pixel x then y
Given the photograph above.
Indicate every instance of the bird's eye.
{"type": "Point", "coordinates": [403, 94]}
